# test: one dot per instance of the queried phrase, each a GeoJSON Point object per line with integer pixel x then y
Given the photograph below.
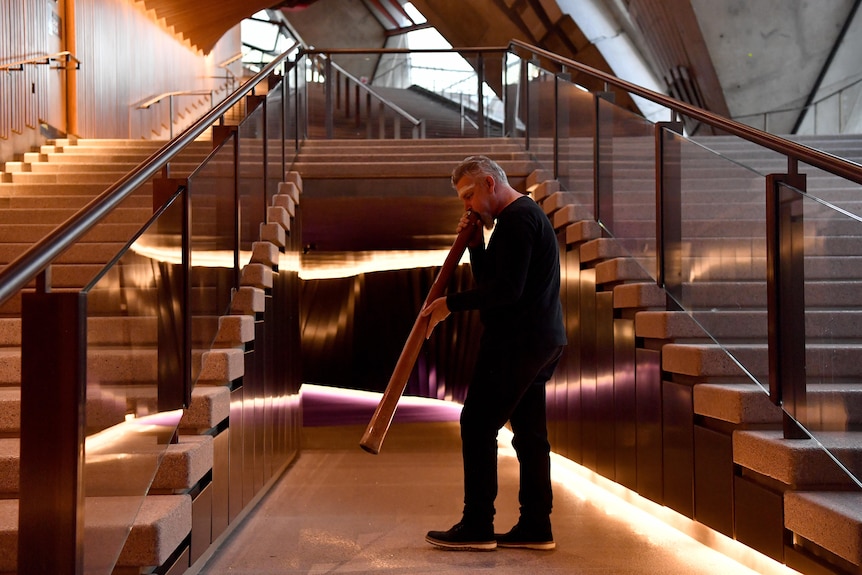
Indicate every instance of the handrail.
{"type": "Point", "coordinates": [804, 107]}
{"type": "Point", "coordinates": [34, 261]}
{"type": "Point", "coordinates": [391, 105]}
{"type": "Point", "coordinates": [42, 61]}
{"type": "Point", "coordinates": [160, 97]}
{"type": "Point", "coordinates": [230, 60]}
{"type": "Point", "coordinates": [795, 151]}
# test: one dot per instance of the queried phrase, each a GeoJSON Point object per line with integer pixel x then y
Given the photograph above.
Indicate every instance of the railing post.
{"type": "Point", "coordinates": [504, 92]}
{"type": "Point", "coordinates": [327, 86]}
{"type": "Point", "coordinates": [668, 187]}
{"type": "Point", "coordinates": [480, 103]}
{"type": "Point", "coordinates": [785, 279]}
{"type": "Point", "coordinates": [603, 193]}
{"type": "Point", "coordinates": [174, 319]}
{"type": "Point", "coordinates": [525, 92]}
{"type": "Point", "coordinates": [221, 134]}
{"type": "Point", "coordinates": [369, 115]}
{"type": "Point", "coordinates": [53, 392]}
{"type": "Point", "coordinates": [171, 116]}
{"type": "Point", "coordinates": [558, 119]}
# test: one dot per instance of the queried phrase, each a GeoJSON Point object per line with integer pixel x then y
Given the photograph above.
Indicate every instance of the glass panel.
{"type": "Point", "coordinates": [833, 330]}
{"type": "Point", "coordinates": [539, 113]}
{"type": "Point", "coordinates": [252, 195]}
{"type": "Point", "coordinates": [274, 141]}
{"type": "Point", "coordinates": [126, 434]}
{"type": "Point", "coordinates": [213, 241]}
{"type": "Point", "coordinates": [514, 96]}
{"type": "Point", "coordinates": [576, 129]}
{"type": "Point", "coordinates": [626, 172]}
{"type": "Point", "coordinates": [722, 253]}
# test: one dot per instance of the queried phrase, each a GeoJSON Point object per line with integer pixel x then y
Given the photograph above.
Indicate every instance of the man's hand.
{"type": "Point", "coordinates": [436, 311]}
{"type": "Point", "coordinates": [477, 237]}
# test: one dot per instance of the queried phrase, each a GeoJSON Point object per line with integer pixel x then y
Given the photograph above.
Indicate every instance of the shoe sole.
{"type": "Point", "coordinates": [469, 546]}
{"type": "Point", "coordinates": [538, 546]}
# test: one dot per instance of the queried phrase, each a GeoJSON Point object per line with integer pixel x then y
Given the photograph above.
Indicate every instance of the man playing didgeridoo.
{"type": "Point", "coordinates": [517, 293]}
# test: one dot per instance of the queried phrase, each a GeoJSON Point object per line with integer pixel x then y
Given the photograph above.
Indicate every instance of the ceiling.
{"type": "Point", "coordinates": [735, 57]}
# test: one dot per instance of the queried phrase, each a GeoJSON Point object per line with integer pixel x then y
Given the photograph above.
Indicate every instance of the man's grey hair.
{"type": "Point", "coordinates": [477, 166]}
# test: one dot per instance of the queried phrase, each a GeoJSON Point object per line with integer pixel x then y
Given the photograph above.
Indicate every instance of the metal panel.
{"type": "Point", "coordinates": [588, 366]}
{"type": "Point", "coordinates": [202, 519]}
{"type": "Point", "coordinates": [572, 359]}
{"type": "Point", "coordinates": [625, 403]}
{"type": "Point", "coordinates": [759, 517]}
{"type": "Point", "coordinates": [237, 452]}
{"type": "Point", "coordinates": [605, 432]}
{"type": "Point", "coordinates": [713, 479]}
{"type": "Point", "coordinates": [221, 483]}
{"type": "Point", "coordinates": [678, 447]}
{"type": "Point", "coordinates": [649, 424]}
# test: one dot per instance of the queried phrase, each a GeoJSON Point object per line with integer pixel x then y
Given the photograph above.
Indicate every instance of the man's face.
{"type": "Point", "coordinates": [477, 194]}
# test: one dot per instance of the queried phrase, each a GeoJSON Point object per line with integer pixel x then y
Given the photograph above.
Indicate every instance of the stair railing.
{"type": "Point", "coordinates": [332, 74]}
{"type": "Point", "coordinates": [55, 367]}
{"type": "Point", "coordinates": [833, 100]}
{"type": "Point", "coordinates": [784, 197]}
{"type": "Point", "coordinates": [170, 97]}
{"type": "Point", "coordinates": [16, 115]}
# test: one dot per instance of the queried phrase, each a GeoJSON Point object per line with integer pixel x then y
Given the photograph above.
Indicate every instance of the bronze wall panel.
{"type": "Point", "coordinates": [221, 483]}
{"type": "Point", "coordinates": [759, 517]}
{"type": "Point", "coordinates": [572, 359]}
{"type": "Point", "coordinates": [713, 479]}
{"type": "Point", "coordinates": [589, 408]}
{"type": "Point", "coordinates": [625, 404]}
{"type": "Point", "coordinates": [649, 424]}
{"type": "Point", "coordinates": [678, 447]}
{"type": "Point", "coordinates": [236, 442]}
{"type": "Point", "coordinates": [605, 409]}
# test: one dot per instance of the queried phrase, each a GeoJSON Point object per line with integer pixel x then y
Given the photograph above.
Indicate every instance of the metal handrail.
{"type": "Point", "coordinates": [65, 56]}
{"type": "Point", "coordinates": [389, 104]}
{"type": "Point", "coordinates": [160, 97]}
{"type": "Point", "coordinates": [794, 151]}
{"type": "Point", "coordinates": [813, 104]}
{"type": "Point", "coordinates": [34, 261]}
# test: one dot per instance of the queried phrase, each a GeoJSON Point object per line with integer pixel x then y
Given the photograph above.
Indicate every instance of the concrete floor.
{"type": "Point", "coordinates": [341, 510]}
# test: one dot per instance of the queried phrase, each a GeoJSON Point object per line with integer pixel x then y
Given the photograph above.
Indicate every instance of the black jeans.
{"type": "Point", "coordinates": [508, 385]}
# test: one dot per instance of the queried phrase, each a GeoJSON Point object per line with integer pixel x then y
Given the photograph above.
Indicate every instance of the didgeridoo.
{"type": "Point", "coordinates": [382, 418]}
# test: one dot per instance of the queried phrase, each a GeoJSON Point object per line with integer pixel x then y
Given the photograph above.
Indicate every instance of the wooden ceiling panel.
{"type": "Point", "coordinates": [203, 25]}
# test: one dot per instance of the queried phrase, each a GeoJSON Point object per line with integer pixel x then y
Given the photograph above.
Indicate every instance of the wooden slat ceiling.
{"type": "Point", "coordinates": [673, 41]}
{"type": "Point", "coordinates": [200, 24]}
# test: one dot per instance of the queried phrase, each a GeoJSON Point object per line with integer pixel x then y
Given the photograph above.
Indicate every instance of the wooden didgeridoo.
{"type": "Point", "coordinates": [382, 418]}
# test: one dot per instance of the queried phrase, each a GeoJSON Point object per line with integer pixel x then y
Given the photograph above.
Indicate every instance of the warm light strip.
{"type": "Point", "coordinates": [319, 266]}
{"type": "Point", "coordinates": [368, 262]}
{"type": "Point", "coordinates": [656, 522]}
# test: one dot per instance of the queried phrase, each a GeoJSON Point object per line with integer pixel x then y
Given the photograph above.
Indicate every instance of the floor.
{"type": "Point", "coordinates": [341, 510]}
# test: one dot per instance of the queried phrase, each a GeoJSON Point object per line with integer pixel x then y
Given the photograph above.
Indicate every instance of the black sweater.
{"type": "Point", "coordinates": [517, 279]}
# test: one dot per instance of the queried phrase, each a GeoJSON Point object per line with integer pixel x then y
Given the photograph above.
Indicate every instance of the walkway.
{"type": "Point", "coordinates": [341, 510]}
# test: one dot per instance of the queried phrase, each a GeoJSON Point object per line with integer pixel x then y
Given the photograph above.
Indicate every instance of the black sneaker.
{"type": "Point", "coordinates": [521, 537]}
{"type": "Point", "coordinates": [464, 537]}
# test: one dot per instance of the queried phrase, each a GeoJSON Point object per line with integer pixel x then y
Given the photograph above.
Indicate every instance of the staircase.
{"type": "Point", "coordinates": [679, 393]}
{"type": "Point", "coordinates": [188, 479]}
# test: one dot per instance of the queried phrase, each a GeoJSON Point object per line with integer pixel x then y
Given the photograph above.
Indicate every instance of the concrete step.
{"type": "Point", "coordinates": [832, 520]}
{"type": "Point", "coordinates": [740, 325]}
{"type": "Point", "coordinates": [824, 361]}
{"type": "Point", "coordinates": [742, 294]}
{"type": "Point", "coordinates": [800, 464]}
{"type": "Point", "coordinates": [386, 169]}
{"type": "Point", "coordinates": [57, 216]}
{"type": "Point", "coordinates": [77, 189]}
